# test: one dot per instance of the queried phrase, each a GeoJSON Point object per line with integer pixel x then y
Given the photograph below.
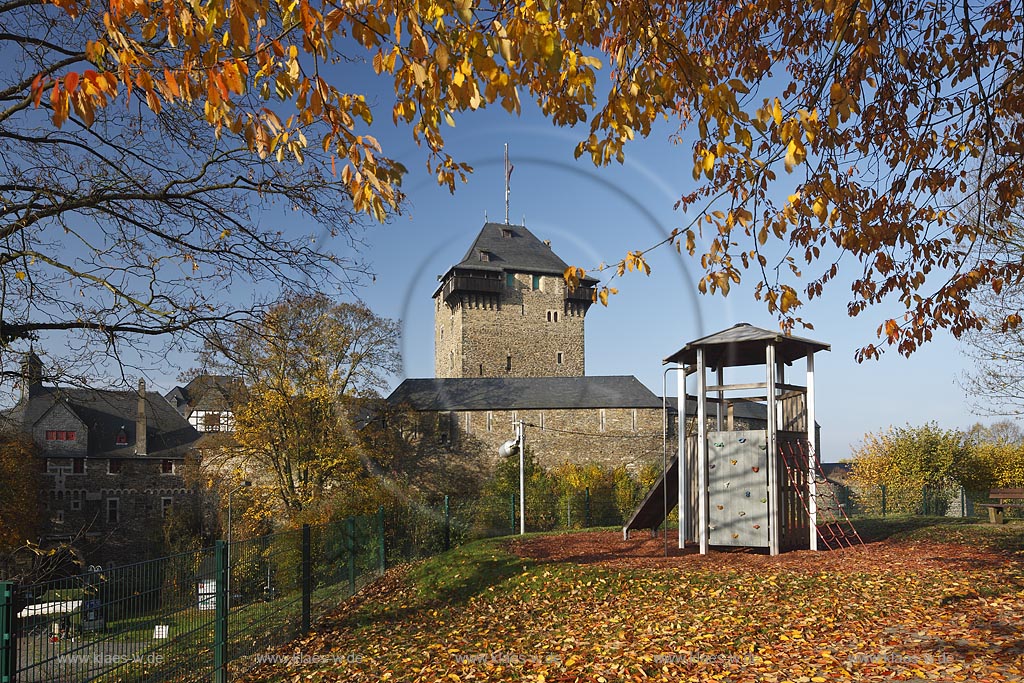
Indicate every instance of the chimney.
{"type": "Point", "coordinates": [140, 421]}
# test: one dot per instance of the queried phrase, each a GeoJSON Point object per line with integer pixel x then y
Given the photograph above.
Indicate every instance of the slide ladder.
{"type": "Point", "coordinates": [835, 530]}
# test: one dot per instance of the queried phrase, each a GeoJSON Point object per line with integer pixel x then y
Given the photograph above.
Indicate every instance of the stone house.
{"type": "Point", "coordinates": [112, 464]}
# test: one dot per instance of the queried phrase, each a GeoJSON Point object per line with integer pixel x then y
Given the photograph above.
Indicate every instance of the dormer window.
{"type": "Point", "coordinates": [506, 233]}
{"type": "Point", "coordinates": [122, 438]}
{"type": "Point", "coordinates": [485, 256]}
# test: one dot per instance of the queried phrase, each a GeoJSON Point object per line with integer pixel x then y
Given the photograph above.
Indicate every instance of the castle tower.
{"type": "Point", "coordinates": [505, 310]}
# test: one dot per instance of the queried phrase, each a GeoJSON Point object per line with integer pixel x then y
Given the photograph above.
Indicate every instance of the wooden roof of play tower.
{"type": "Point", "coordinates": [744, 344]}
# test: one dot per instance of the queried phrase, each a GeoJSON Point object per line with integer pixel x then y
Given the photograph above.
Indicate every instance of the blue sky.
{"type": "Point", "coordinates": [594, 215]}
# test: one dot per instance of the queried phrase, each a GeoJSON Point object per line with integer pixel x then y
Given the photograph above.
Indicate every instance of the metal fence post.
{"type": "Point", "coordinates": [380, 535]}
{"type": "Point", "coordinates": [8, 641]}
{"type": "Point", "coordinates": [307, 578]}
{"type": "Point", "coordinates": [586, 507]}
{"type": "Point", "coordinates": [220, 626]}
{"type": "Point", "coordinates": [350, 544]}
{"type": "Point", "coordinates": [512, 519]}
{"type": "Point", "coordinates": [447, 525]}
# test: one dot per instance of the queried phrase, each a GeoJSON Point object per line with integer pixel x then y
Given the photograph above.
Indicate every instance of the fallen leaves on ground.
{"type": "Point", "coordinates": [592, 607]}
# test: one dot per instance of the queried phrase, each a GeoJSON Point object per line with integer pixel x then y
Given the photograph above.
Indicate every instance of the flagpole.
{"type": "Point", "coordinates": [506, 183]}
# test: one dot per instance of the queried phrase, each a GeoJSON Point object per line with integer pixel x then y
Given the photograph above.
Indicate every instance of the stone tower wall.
{"type": "Point", "coordinates": [539, 332]}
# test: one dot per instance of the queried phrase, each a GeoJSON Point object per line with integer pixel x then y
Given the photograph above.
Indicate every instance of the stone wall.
{"type": "Point", "coordinates": [76, 504]}
{"type": "Point", "coordinates": [522, 332]}
{"type": "Point", "coordinates": [458, 450]}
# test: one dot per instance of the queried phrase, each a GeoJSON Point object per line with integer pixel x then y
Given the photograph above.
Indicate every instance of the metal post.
{"type": "Point", "coordinates": [664, 452]}
{"type": "Point", "coordinates": [772, 452]}
{"type": "Point", "coordinates": [233, 491]}
{"type": "Point", "coordinates": [8, 639]}
{"type": "Point", "coordinates": [683, 483]}
{"type": "Point", "coordinates": [447, 525]}
{"type": "Point", "coordinates": [812, 456]}
{"type": "Point", "coordinates": [586, 507]}
{"type": "Point", "coordinates": [350, 547]}
{"type": "Point", "coordinates": [380, 535]}
{"type": "Point", "coordinates": [307, 578]}
{"type": "Point", "coordinates": [227, 579]}
{"type": "Point", "coordinates": [220, 627]}
{"type": "Point", "coordinates": [512, 510]}
{"type": "Point", "coordinates": [702, 451]}
{"type": "Point", "coordinates": [522, 478]}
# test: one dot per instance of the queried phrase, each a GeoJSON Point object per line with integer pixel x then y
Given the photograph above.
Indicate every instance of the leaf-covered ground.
{"type": "Point", "coordinates": [938, 603]}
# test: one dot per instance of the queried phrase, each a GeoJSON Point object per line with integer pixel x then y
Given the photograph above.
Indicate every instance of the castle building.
{"type": "Point", "coordinates": [112, 463]}
{"type": "Point", "coordinates": [510, 345]}
{"type": "Point", "coordinates": [505, 310]}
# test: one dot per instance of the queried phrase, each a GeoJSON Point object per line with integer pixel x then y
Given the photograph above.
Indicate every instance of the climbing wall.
{"type": "Point", "coordinates": [738, 488]}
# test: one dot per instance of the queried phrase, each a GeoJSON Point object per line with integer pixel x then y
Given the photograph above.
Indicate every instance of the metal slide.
{"type": "Point", "coordinates": [650, 514]}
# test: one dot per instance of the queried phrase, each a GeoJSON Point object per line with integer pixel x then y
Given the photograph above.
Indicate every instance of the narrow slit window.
{"type": "Point", "coordinates": [508, 363]}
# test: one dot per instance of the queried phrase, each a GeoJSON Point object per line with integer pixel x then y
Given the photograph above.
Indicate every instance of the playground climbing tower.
{"type": "Point", "coordinates": [753, 487]}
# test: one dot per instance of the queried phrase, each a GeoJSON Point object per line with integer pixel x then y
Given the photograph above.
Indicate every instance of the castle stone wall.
{"type": "Point", "coordinates": [521, 332]}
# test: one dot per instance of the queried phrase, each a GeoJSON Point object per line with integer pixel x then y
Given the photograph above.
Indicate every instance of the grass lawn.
{"type": "Point", "coordinates": [924, 599]}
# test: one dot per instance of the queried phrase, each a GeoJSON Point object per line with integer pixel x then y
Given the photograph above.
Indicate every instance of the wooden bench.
{"type": "Point", "coordinates": [995, 510]}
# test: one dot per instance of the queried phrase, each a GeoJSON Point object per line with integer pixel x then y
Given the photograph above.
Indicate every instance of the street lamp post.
{"type": "Point", "coordinates": [233, 491]}
{"type": "Point", "coordinates": [507, 449]}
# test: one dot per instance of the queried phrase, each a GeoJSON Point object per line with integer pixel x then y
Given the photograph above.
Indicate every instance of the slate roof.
{"type": "Point", "coordinates": [744, 344]}
{"type": "Point", "coordinates": [512, 248]}
{"type": "Point", "coordinates": [523, 393]}
{"type": "Point", "coordinates": [104, 413]}
{"type": "Point", "coordinates": [205, 392]}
